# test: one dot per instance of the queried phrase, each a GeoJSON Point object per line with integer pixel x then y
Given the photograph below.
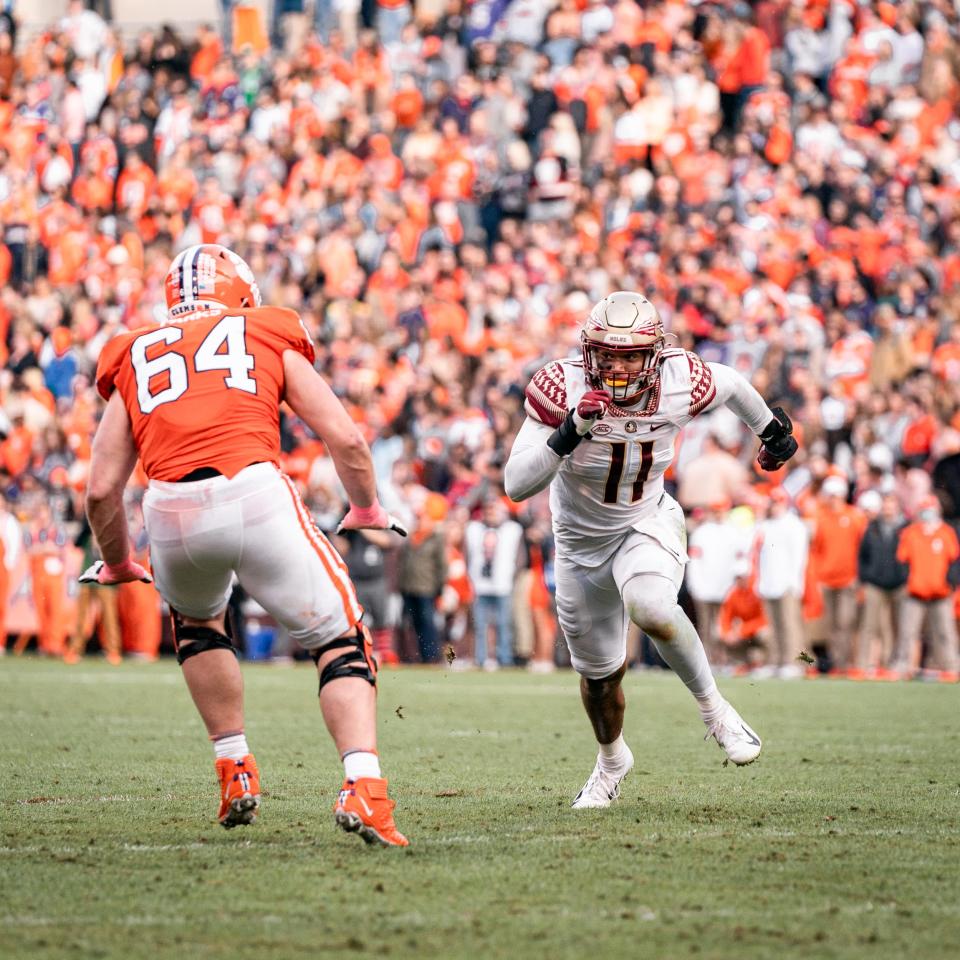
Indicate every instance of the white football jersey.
{"type": "Point", "coordinates": [614, 478]}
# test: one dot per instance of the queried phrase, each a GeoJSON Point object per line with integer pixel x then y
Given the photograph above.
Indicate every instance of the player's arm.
{"type": "Point", "coordinates": [539, 449]}
{"type": "Point", "coordinates": [532, 463]}
{"type": "Point", "coordinates": [113, 457]}
{"type": "Point", "coordinates": [772, 426]}
{"type": "Point", "coordinates": [312, 400]}
{"type": "Point", "coordinates": [551, 431]}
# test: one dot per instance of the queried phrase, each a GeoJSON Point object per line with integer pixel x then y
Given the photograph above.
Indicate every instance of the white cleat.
{"type": "Point", "coordinates": [602, 788]}
{"type": "Point", "coordinates": [740, 742]}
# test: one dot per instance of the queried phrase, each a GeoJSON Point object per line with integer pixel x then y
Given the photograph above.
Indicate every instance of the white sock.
{"type": "Point", "coordinates": [612, 755]}
{"type": "Point", "coordinates": [688, 660]}
{"type": "Point", "coordinates": [232, 747]}
{"type": "Point", "coordinates": [360, 763]}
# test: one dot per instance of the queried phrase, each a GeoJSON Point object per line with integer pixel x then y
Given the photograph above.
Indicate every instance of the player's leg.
{"type": "Point", "coordinates": [212, 674]}
{"type": "Point", "coordinates": [591, 616]}
{"type": "Point", "coordinates": [293, 571]}
{"type": "Point", "coordinates": [194, 542]}
{"type": "Point", "coordinates": [78, 641]}
{"type": "Point", "coordinates": [110, 624]}
{"type": "Point", "coordinates": [648, 572]}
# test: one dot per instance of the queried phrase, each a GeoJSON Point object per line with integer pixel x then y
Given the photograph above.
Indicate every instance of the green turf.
{"type": "Point", "coordinates": [840, 842]}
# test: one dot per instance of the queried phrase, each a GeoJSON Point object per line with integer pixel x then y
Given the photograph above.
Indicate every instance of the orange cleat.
{"type": "Point", "coordinates": [363, 807]}
{"type": "Point", "coordinates": [71, 656]}
{"type": "Point", "coordinates": [239, 791]}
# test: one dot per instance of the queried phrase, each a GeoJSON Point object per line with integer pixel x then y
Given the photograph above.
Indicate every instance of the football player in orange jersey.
{"type": "Point", "coordinates": [197, 399]}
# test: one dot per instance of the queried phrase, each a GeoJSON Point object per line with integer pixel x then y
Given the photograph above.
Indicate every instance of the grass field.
{"type": "Point", "coordinates": [841, 841]}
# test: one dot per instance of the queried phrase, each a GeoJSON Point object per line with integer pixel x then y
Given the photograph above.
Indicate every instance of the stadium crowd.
{"type": "Point", "coordinates": [442, 191]}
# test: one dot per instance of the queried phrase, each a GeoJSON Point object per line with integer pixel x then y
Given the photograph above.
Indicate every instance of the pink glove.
{"type": "Point", "coordinates": [371, 518]}
{"type": "Point", "coordinates": [108, 576]}
{"type": "Point", "coordinates": [592, 406]}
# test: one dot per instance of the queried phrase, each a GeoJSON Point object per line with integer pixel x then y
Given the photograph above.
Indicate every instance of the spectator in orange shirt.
{"type": "Point", "coordinates": [945, 362]}
{"type": "Point", "coordinates": [742, 624]}
{"type": "Point", "coordinates": [135, 187]}
{"type": "Point", "coordinates": [930, 548]}
{"type": "Point", "coordinates": [833, 556]}
{"type": "Point", "coordinates": [920, 432]}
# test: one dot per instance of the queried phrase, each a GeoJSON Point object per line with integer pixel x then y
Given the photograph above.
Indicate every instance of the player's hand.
{"type": "Point", "coordinates": [777, 444]}
{"type": "Point", "coordinates": [108, 576]}
{"type": "Point", "coordinates": [371, 518]}
{"type": "Point", "coordinates": [591, 407]}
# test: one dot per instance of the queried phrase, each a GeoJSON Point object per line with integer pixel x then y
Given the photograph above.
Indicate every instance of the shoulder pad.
{"type": "Point", "coordinates": [702, 387]}
{"type": "Point", "coordinates": [287, 325]}
{"type": "Point", "coordinates": [545, 398]}
{"type": "Point", "coordinates": [110, 360]}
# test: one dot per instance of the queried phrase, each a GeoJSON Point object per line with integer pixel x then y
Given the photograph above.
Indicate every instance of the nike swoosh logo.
{"type": "Point", "coordinates": [658, 426]}
{"type": "Point", "coordinates": [751, 736]}
{"type": "Point", "coordinates": [366, 806]}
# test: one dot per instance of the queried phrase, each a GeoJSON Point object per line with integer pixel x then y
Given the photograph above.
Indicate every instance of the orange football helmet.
{"type": "Point", "coordinates": [208, 278]}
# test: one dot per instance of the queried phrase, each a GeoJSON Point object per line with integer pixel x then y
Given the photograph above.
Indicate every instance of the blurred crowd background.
{"type": "Point", "coordinates": [442, 190]}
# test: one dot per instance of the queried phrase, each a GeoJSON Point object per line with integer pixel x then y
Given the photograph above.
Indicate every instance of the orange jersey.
{"type": "Point", "coordinates": [206, 392]}
{"type": "Point", "coordinates": [929, 555]}
{"type": "Point", "coordinates": [835, 545]}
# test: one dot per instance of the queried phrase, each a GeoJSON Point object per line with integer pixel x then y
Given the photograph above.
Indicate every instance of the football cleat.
{"type": "Point", "coordinates": [602, 787]}
{"type": "Point", "coordinates": [740, 742]}
{"type": "Point", "coordinates": [239, 791]}
{"type": "Point", "coordinates": [363, 807]}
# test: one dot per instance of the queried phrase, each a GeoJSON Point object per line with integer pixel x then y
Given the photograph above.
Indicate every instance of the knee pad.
{"type": "Point", "coordinates": [358, 661]}
{"type": "Point", "coordinates": [651, 603]}
{"type": "Point", "coordinates": [200, 639]}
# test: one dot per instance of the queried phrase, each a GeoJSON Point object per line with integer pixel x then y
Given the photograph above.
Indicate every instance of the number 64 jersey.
{"type": "Point", "coordinates": [204, 392]}
{"type": "Point", "coordinates": [613, 480]}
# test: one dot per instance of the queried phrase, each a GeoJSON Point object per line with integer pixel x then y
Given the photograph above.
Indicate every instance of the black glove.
{"type": "Point", "coordinates": [777, 445]}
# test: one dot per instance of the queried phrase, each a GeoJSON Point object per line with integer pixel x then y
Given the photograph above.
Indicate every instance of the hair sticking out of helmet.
{"type": "Point", "coordinates": [622, 340]}
{"type": "Point", "coordinates": [207, 279]}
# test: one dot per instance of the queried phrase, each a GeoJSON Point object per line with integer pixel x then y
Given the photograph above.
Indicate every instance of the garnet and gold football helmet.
{"type": "Point", "coordinates": [625, 325]}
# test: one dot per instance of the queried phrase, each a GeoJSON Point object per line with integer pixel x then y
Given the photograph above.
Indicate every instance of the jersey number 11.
{"type": "Point", "coordinates": [618, 456]}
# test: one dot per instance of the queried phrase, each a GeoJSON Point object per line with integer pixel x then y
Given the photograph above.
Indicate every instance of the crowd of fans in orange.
{"type": "Point", "coordinates": [442, 191]}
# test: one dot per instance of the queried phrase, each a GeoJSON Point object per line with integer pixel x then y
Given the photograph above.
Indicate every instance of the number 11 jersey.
{"type": "Point", "coordinates": [614, 478]}
{"type": "Point", "coordinates": [205, 392]}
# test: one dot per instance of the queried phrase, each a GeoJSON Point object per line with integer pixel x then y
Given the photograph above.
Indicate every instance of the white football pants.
{"type": "Point", "coordinates": [255, 525]}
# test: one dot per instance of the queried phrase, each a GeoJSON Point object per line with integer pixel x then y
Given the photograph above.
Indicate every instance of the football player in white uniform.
{"type": "Point", "coordinates": [600, 431]}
